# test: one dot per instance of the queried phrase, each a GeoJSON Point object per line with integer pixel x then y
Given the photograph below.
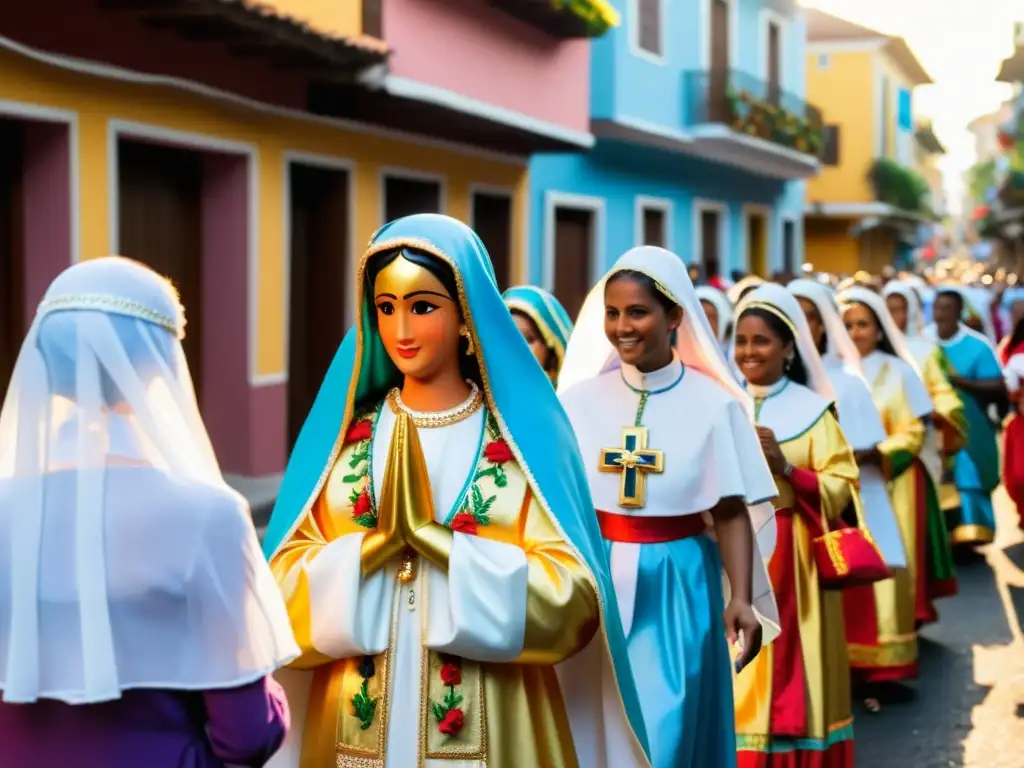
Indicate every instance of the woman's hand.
{"type": "Point", "coordinates": [740, 619]}
{"type": "Point", "coordinates": [772, 452]}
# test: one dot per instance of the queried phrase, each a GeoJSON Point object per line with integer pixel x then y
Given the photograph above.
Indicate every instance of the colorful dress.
{"type": "Point", "coordinates": [1013, 431]}
{"type": "Point", "coordinates": [514, 656]}
{"type": "Point", "coordinates": [881, 618]}
{"type": "Point", "coordinates": [793, 702]}
{"type": "Point", "coordinates": [976, 466]}
{"type": "Point", "coordinates": [661, 450]}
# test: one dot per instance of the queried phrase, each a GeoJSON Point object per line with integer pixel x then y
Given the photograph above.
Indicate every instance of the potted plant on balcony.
{"type": "Point", "coordinates": [899, 186]}
{"type": "Point", "coordinates": [759, 118]}
{"type": "Point", "coordinates": [563, 18]}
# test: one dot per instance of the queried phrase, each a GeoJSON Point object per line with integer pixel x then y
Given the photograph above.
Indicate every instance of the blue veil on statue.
{"type": "Point", "coordinates": [517, 393]}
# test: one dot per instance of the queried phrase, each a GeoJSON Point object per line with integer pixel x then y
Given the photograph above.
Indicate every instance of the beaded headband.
{"type": "Point", "coordinates": [771, 309]}
{"type": "Point", "coordinates": [116, 305]}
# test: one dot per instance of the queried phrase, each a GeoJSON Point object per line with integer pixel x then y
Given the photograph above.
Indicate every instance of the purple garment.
{"type": "Point", "coordinates": [148, 729]}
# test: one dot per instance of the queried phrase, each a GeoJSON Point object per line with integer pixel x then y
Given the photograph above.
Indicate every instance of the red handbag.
{"type": "Point", "coordinates": [848, 556]}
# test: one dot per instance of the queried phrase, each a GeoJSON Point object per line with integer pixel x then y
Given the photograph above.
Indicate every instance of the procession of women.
{"type": "Point", "coordinates": [688, 528]}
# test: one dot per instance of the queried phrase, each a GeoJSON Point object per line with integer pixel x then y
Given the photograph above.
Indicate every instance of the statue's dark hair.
{"type": "Point", "coordinates": [797, 370]}
{"type": "Point", "coordinates": [445, 275]}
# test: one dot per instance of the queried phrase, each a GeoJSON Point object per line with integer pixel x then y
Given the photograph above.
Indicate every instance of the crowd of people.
{"type": "Point", "coordinates": [687, 529]}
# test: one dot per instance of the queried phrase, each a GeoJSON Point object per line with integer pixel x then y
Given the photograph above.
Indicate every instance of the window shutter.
{"type": "Point", "coordinates": [830, 145]}
{"type": "Point", "coordinates": [649, 21]}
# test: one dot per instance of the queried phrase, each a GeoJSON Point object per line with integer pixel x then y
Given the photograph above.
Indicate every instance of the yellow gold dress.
{"type": "Point", "coordinates": [793, 706]}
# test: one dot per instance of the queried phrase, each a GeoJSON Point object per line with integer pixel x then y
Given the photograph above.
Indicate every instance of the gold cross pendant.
{"type": "Point", "coordinates": [632, 461]}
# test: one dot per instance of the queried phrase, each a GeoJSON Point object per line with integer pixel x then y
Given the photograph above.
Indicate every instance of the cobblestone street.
{"type": "Point", "coordinates": [967, 708]}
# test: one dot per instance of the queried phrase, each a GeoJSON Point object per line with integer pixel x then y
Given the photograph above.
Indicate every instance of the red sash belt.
{"type": "Point", "coordinates": [649, 530]}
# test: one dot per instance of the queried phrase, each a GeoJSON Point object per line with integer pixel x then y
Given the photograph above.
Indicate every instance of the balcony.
{"type": "Point", "coordinates": [566, 19]}
{"type": "Point", "coordinates": [738, 119]}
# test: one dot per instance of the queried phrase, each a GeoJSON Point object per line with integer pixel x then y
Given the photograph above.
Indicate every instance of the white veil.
{"type": "Point", "coordinates": [126, 561]}
{"type": "Point", "coordinates": [838, 343]}
{"type": "Point", "coordinates": [917, 393]}
{"type": "Point", "coordinates": [589, 354]}
{"type": "Point", "coordinates": [722, 305]}
{"type": "Point", "coordinates": [782, 300]}
{"type": "Point", "coordinates": [915, 312]}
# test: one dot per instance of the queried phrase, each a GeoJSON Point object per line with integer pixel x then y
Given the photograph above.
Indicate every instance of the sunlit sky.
{"type": "Point", "coordinates": [961, 44]}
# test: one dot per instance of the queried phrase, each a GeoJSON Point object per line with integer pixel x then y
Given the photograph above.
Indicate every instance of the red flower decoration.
{"type": "Point", "coordinates": [359, 431]}
{"type": "Point", "coordinates": [362, 505]}
{"type": "Point", "coordinates": [464, 522]}
{"type": "Point", "coordinates": [451, 674]}
{"type": "Point", "coordinates": [452, 723]}
{"type": "Point", "coordinates": [498, 452]}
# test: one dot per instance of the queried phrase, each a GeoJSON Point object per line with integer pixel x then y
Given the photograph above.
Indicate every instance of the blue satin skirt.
{"type": "Point", "coordinates": [680, 656]}
{"type": "Point", "coordinates": [976, 523]}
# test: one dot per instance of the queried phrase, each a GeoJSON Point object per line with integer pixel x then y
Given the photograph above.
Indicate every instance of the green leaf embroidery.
{"type": "Point", "coordinates": [438, 711]}
{"type": "Point", "coordinates": [367, 520]}
{"type": "Point", "coordinates": [364, 707]}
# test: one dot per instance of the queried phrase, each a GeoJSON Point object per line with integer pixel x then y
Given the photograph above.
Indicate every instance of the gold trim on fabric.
{"type": "Point", "coordinates": [545, 330]}
{"type": "Point", "coordinates": [894, 653]}
{"type": "Point", "coordinates": [972, 534]}
{"type": "Point", "coordinates": [429, 248]}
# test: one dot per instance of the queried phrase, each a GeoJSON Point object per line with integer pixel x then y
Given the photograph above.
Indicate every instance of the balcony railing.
{"type": "Point", "coordinates": [751, 107]}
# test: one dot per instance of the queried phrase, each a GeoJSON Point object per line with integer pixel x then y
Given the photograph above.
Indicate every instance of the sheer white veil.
{"type": "Point", "coordinates": [127, 560]}
{"type": "Point", "coordinates": [783, 301]}
{"type": "Point", "coordinates": [838, 343]}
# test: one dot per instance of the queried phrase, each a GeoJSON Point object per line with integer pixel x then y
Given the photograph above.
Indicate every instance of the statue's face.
{"type": "Point", "coordinates": [417, 320]}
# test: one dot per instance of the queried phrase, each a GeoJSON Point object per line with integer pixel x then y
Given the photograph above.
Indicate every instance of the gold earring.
{"type": "Point", "coordinates": [470, 350]}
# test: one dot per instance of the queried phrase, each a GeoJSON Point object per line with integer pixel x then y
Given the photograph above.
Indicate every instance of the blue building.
{"type": "Point", "coordinates": [703, 138]}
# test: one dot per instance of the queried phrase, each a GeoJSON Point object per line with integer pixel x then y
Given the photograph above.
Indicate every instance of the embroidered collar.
{"type": "Point", "coordinates": [653, 382]}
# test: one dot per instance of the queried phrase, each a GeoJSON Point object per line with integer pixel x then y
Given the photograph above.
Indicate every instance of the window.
{"type": "Point", "coordinates": [905, 113]}
{"type": "Point", "coordinates": [830, 145]}
{"type": "Point", "coordinates": [649, 21]}
{"type": "Point", "coordinates": [654, 227]}
{"type": "Point", "coordinates": [824, 61]}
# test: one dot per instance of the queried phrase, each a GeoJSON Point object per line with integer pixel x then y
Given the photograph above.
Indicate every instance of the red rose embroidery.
{"type": "Point", "coordinates": [498, 452]}
{"type": "Point", "coordinates": [452, 723]}
{"type": "Point", "coordinates": [451, 674]}
{"type": "Point", "coordinates": [359, 431]}
{"type": "Point", "coordinates": [464, 522]}
{"type": "Point", "coordinates": [362, 505]}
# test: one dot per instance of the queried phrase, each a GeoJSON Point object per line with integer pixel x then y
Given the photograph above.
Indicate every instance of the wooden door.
{"type": "Point", "coordinates": [709, 239]}
{"type": "Point", "coordinates": [11, 249]}
{"type": "Point", "coordinates": [718, 77]}
{"type": "Point", "coordinates": [654, 227]}
{"type": "Point", "coordinates": [574, 239]}
{"type": "Point", "coordinates": [320, 227]}
{"type": "Point", "coordinates": [774, 64]}
{"type": "Point", "coordinates": [160, 215]}
{"type": "Point", "coordinates": [757, 257]}
{"type": "Point", "coordinates": [373, 18]}
{"type": "Point", "coordinates": [789, 247]}
{"type": "Point", "coordinates": [492, 220]}
{"type": "Point", "coordinates": [404, 197]}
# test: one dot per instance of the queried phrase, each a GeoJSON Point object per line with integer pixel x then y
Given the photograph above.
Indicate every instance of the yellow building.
{"type": "Point", "coordinates": [249, 154]}
{"type": "Point", "coordinates": [863, 82]}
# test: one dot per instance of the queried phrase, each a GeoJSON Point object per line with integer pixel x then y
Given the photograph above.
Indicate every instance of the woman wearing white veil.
{"type": "Point", "coordinates": [667, 438]}
{"type": "Point", "coordinates": [881, 618]}
{"type": "Point", "coordinates": [793, 702]}
{"type": "Point", "coordinates": [858, 415]}
{"type": "Point", "coordinates": [144, 624]}
{"type": "Point", "coordinates": [718, 309]}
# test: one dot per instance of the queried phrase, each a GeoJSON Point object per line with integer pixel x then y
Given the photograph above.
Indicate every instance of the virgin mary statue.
{"type": "Point", "coordinates": [435, 540]}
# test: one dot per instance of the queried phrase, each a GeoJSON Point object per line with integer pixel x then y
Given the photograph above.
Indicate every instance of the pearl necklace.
{"type": "Point", "coordinates": [435, 419]}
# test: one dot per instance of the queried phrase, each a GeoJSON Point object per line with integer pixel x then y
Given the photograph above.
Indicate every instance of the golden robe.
{"type": "Point", "coordinates": [510, 715]}
{"type": "Point", "coordinates": [880, 618]}
{"type": "Point", "coordinates": [795, 696]}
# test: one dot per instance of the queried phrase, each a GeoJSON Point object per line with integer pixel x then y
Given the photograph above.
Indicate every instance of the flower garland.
{"type": "Point", "coordinates": [448, 712]}
{"type": "Point", "coordinates": [756, 117]}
